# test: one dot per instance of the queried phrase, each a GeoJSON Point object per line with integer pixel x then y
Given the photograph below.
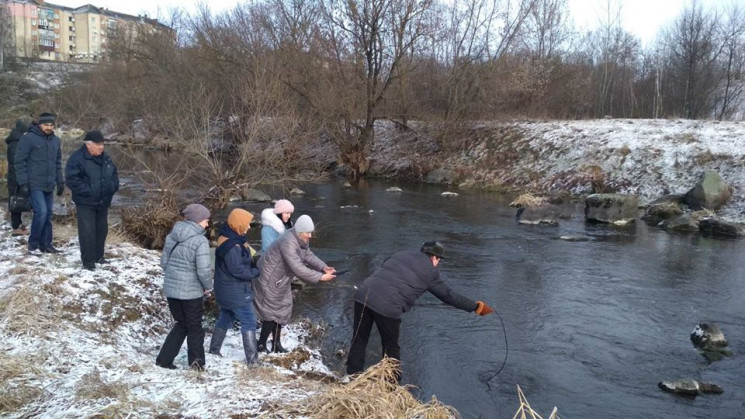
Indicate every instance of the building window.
{"type": "Point", "coordinates": [33, 22]}
{"type": "Point", "coordinates": [71, 38]}
{"type": "Point", "coordinates": [69, 19]}
{"type": "Point", "coordinates": [72, 47]}
{"type": "Point", "coordinates": [70, 28]}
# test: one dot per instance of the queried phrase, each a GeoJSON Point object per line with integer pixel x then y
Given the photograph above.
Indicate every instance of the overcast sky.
{"type": "Point", "coordinates": [640, 17]}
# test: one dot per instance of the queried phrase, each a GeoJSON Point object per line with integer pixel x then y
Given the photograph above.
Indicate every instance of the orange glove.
{"type": "Point", "coordinates": [482, 309]}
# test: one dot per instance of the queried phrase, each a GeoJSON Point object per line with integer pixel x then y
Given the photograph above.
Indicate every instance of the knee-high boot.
{"type": "Point", "coordinates": [267, 327]}
{"type": "Point", "coordinates": [249, 347]}
{"type": "Point", "coordinates": [276, 340]}
{"type": "Point", "coordinates": [218, 336]}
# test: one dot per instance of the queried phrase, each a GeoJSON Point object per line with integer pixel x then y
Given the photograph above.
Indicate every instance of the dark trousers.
{"type": "Point", "coordinates": [93, 226]}
{"type": "Point", "coordinates": [388, 328]}
{"type": "Point", "coordinates": [41, 223]}
{"type": "Point", "coordinates": [188, 316]}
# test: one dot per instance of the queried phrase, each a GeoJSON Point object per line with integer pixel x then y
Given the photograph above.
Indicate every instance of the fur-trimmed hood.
{"type": "Point", "coordinates": [269, 218]}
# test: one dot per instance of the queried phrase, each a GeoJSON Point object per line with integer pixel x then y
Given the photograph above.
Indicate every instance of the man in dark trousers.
{"type": "Point", "coordinates": [391, 291]}
{"type": "Point", "coordinates": [12, 145]}
{"type": "Point", "coordinates": [38, 164]}
{"type": "Point", "coordinates": [93, 179]}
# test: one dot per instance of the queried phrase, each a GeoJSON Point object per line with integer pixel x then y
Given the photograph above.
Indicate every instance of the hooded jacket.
{"type": "Point", "coordinates": [186, 262]}
{"type": "Point", "coordinates": [394, 287]}
{"type": "Point", "coordinates": [271, 228]}
{"type": "Point", "coordinates": [11, 147]}
{"type": "Point", "coordinates": [234, 266]}
{"type": "Point", "coordinates": [38, 160]}
{"type": "Point", "coordinates": [93, 180]}
{"type": "Point", "coordinates": [288, 256]}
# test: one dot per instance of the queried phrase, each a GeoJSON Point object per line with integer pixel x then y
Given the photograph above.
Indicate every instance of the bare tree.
{"type": "Point", "coordinates": [733, 61]}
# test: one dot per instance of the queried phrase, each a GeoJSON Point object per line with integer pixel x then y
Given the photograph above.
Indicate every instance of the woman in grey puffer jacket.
{"type": "Point", "coordinates": [288, 256]}
{"type": "Point", "coordinates": [187, 270]}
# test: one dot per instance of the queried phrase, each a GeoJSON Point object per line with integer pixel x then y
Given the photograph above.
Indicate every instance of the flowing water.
{"type": "Point", "coordinates": [591, 326]}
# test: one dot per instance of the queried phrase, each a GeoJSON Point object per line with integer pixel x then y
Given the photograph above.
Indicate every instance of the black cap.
{"type": "Point", "coordinates": [94, 136]}
{"type": "Point", "coordinates": [434, 248]}
{"type": "Point", "coordinates": [46, 118]}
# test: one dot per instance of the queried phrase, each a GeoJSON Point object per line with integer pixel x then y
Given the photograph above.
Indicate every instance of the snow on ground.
{"type": "Point", "coordinates": [647, 158]}
{"type": "Point", "coordinates": [77, 343]}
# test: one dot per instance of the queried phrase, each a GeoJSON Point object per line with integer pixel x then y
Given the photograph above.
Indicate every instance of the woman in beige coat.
{"type": "Point", "coordinates": [288, 256]}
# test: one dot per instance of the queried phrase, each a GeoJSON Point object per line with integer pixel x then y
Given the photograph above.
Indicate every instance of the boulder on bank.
{"type": "Point", "coordinates": [545, 214]}
{"type": "Point", "coordinates": [439, 176]}
{"type": "Point", "coordinates": [664, 208]}
{"type": "Point", "coordinates": [711, 192]}
{"type": "Point", "coordinates": [689, 387]}
{"type": "Point", "coordinates": [611, 208]}
{"type": "Point", "coordinates": [719, 228]}
{"type": "Point", "coordinates": [686, 223]}
{"type": "Point", "coordinates": [254, 195]}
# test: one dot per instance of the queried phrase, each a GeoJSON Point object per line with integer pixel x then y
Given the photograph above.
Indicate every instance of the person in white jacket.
{"type": "Point", "coordinates": [275, 221]}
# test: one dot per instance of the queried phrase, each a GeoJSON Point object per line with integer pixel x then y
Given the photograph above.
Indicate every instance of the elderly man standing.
{"type": "Point", "coordinates": [93, 179]}
{"type": "Point", "coordinates": [38, 166]}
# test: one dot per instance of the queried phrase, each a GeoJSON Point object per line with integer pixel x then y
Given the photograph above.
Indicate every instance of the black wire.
{"type": "Point", "coordinates": [504, 332]}
{"type": "Point", "coordinates": [506, 352]}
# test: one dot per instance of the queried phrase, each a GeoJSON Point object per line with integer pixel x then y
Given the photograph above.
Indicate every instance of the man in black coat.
{"type": "Point", "coordinates": [38, 165]}
{"type": "Point", "coordinates": [93, 179]}
{"type": "Point", "coordinates": [11, 146]}
{"type": "Point", "coordinates": [391, 291]}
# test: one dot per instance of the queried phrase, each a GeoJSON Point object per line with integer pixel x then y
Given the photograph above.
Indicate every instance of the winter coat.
{"type": "Point", "coordinates": [392, 289]}
{"type": "Point", "coordinates": [233, 275]}
{"type": "Point", "coordinates": [272, 227]}
{"type": "Point", "coordinates": [186, 262]}
{"type": "Point", "coordinates": [288, 256]}
{"type": "Point", "coordinates": [38, 161]}
{"type": "Point", "coordinates": [11, 148]}
{"type": "Point", "coordinates": [93, 180]}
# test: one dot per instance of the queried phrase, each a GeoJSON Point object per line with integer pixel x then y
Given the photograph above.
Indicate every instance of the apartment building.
{"type": "Point", "coordinates": [38, 30]}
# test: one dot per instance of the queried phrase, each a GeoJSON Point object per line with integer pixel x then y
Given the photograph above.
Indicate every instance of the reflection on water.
{"type": "Point", "coordinates": [592, 325]}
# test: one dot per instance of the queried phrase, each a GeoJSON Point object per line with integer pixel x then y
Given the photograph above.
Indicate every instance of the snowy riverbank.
{"type": "Point", "coordinates": [77, 343]}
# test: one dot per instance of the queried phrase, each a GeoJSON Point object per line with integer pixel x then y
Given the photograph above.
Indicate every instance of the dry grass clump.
{"type": "Point", "coordinates": [528, 200]}
{"type": "Point", "coordinates": [291, 360]}
{"type": "Point", "coordinates": [525, 411]}
{"type": "Point", "coordinates": [373, 394]}
{"type": "Point", "coordinates": [15, 368]}
{"type": "Point", "coordinates": [149, 225]}
{"type": "Point", "coordinates": [701, 214]}
{"type": "Point", "coordinates": [3, 168]}
{"type": "Point", "coordinates": [117, 235]}
{"type": "Point", "coordinates": [26, 310]}
{"type": "Point", "coordinates": [92, 386]}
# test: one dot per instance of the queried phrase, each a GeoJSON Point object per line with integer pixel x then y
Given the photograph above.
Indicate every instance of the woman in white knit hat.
{"type": "Point", "coordinates": [288, 256]}
{"type": "Point", "coordinates": [275, 221]}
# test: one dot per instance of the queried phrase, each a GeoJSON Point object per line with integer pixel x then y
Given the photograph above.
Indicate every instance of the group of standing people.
{"type": "Point", "coordinates": [35, 172]}
{"type": "Point", "coordinates": [244, 283]}
{"type": "Point", "coordinates": [246, 290]}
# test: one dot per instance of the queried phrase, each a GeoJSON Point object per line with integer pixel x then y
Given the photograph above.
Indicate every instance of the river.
{"type": "Point", "coordinates": [591, 326]}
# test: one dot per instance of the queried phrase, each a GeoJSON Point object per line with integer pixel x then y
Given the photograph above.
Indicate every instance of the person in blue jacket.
{"type": "Point", "coordinates": [11, 146]}
{"type": "Point", "coordinates": [234, 271]}
{"type": "Point", "coordinates": [38, 165]}
{"type": "Point", "coordinates": [93, 179]}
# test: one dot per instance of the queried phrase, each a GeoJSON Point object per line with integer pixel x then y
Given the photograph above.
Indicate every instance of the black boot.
{"type": "Point", "coordinates": [267, 327]}
{"type": "Point", "coordinates": [276, 342]}
{"type": "Point", "coordinates": [249, 347]}
{"type": "Point", "coordinates": [218, 336]}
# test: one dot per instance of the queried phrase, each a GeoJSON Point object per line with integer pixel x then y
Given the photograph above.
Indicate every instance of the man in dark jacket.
{"type": "Point", "coordinates": [38, 164]}
{"type": "Point", "coordinates": [391, 291]}
{"type": "Point", "coordinates": [92, 177]}
{"type": "Point", "coordinates": [12, 145]}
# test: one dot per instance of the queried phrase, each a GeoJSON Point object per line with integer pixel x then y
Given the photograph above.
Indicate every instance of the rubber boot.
{"type": "Point", "coordinates": [218, 336]}
{"type": "Point", "coordinates": [267, 327]}
{"type": "Point", "coordinates": [276, 341]}
{"type": "Point", "coordinates": [249, 347]}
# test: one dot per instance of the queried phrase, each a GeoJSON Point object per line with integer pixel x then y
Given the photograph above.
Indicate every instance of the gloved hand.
{"type": "Point", "coordinates": [23, 190]}
{"type": "Point", "coordinates": [482, 309]}
{"type": "Point", "coordinates": [60, 188]}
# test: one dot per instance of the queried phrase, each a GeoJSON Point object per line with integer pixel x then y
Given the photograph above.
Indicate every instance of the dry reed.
{"type": "Point", "coordinates": [373, 394]}
{"type": "Point", "coordinates": [527, 412]}
{"type": "Point", "coordinates": [25, 310]}
{"type": "Point", "coordinates": [14, 393]}
{"type": "Point", "coordinates": [92, 386]}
